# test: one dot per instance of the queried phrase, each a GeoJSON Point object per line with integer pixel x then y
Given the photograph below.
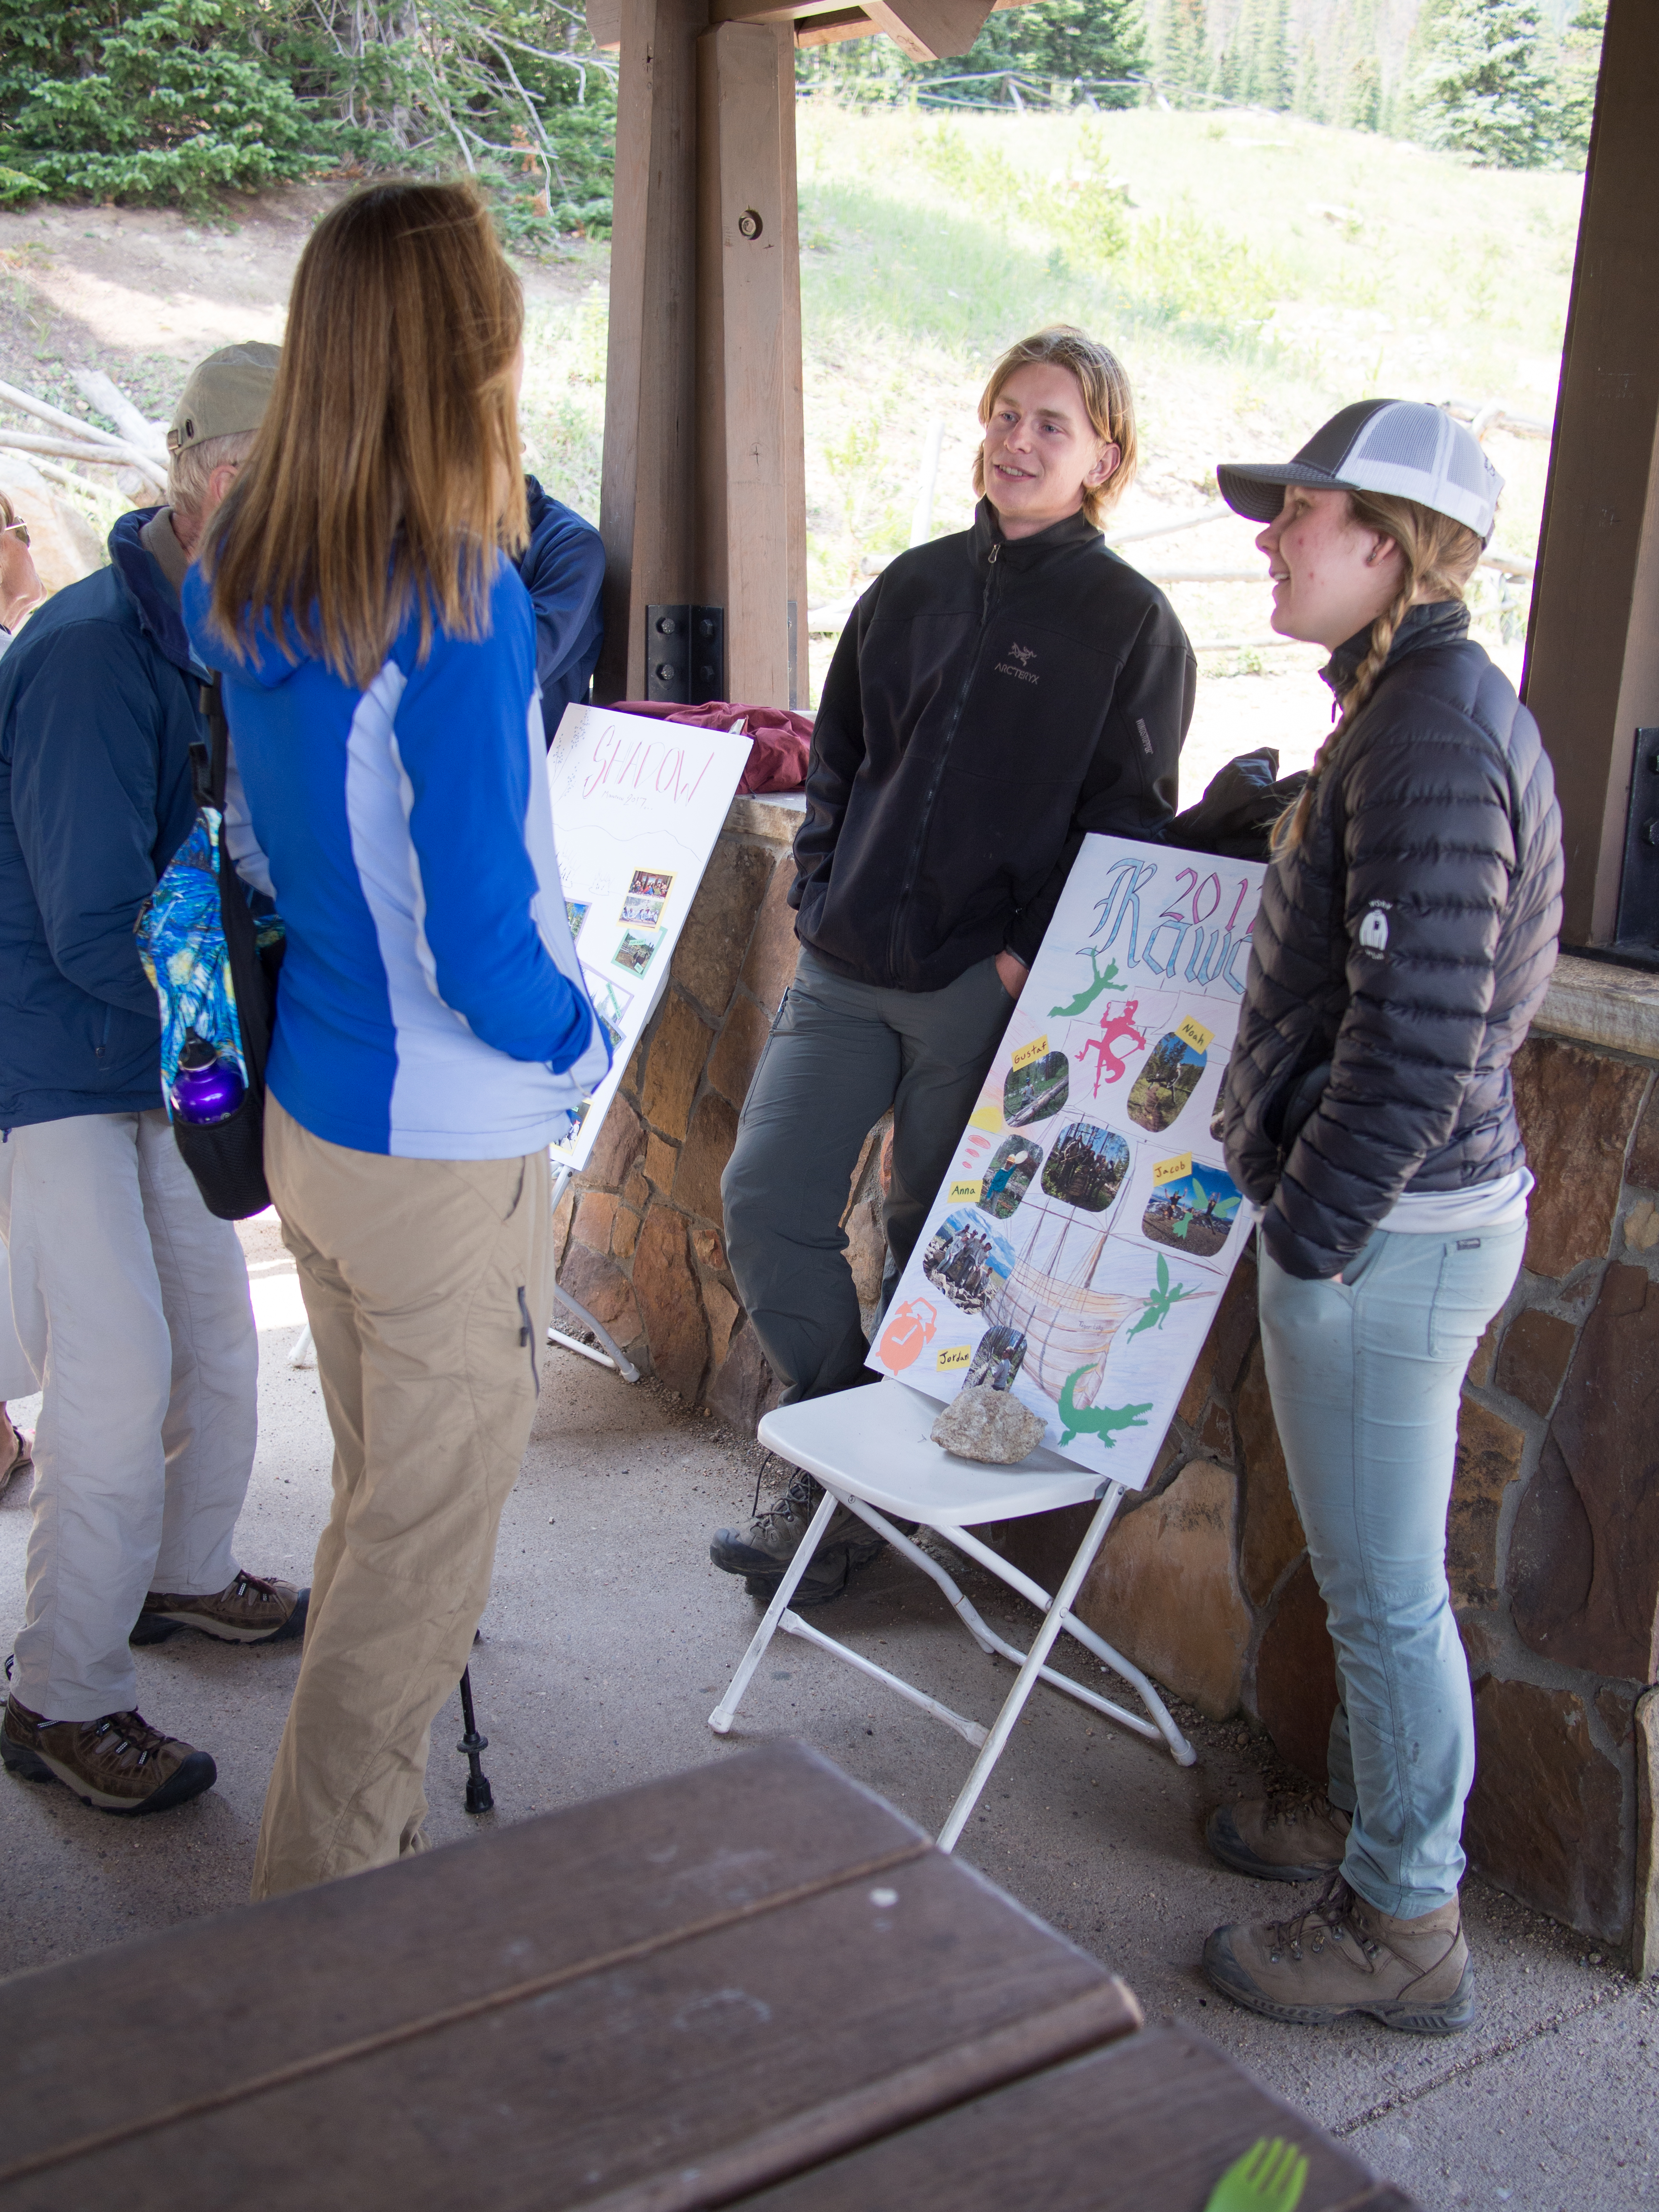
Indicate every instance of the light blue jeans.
{"type": "Point", "coordinates": [1366, 1375]}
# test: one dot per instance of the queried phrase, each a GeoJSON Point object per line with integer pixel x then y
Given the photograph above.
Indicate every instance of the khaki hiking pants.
{"type": "Point", "coordinates": [425, 1284]}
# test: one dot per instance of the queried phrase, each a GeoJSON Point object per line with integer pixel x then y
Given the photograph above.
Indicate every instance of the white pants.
{"type": "Point", "coordinates": [17, 1377]}
{"type": "Point", "coordinates": [131, 1305]}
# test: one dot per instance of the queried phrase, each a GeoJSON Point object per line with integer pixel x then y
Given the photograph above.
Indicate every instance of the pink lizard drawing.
{"type": "Point", "coordinates": [1114, 1031]}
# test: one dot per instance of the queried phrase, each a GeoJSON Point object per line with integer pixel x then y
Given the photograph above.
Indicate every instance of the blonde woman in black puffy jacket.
{"type": "Point", "coordinates": [1408, 931]}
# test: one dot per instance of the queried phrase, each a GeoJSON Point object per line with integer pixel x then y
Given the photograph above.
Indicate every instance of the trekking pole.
{"type": "Point", "coordinates": [479, 1796]}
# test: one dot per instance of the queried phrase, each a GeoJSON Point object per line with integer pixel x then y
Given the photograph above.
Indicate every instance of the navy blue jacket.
{"type": "Point", "coordinates": [563, 568]}
{"type": "Point", "coordinates": [98, 708]}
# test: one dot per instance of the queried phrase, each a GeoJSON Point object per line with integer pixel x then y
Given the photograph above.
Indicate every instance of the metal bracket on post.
{"type": "Point", "coordinates": [684, 654]}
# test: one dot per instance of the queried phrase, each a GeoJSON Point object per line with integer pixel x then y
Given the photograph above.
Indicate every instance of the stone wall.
{"type": "Point", "coordinates": [639, 1237]}
{"type": "Point", "coordinates": [1553, 1537]}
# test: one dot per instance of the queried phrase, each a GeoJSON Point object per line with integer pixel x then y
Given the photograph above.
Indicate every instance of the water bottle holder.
{"type": "Point", "coordinates": [227, 1159]}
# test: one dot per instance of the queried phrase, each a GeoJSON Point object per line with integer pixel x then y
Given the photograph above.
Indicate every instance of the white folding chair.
{"type": "Point", "coordinates": [870, 1448]}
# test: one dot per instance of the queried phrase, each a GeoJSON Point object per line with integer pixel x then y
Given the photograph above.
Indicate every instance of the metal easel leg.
{"type": "Point", "coordinates": [613, 1355]}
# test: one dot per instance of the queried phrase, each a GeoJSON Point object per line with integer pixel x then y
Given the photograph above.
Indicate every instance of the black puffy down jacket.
{"type": "Point", "coordinates": [1405, 943]}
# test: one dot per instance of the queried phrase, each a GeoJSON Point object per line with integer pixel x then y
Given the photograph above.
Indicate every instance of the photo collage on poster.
{"type": "Point", "coordinates": [1079, 1248]}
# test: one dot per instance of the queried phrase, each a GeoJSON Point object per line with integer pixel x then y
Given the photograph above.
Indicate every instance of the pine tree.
{"type": "Point", "coordinates": [1579, 66]}
{"type": "Point", "coordinates": [1489, 86]}
{"type": "Point", "coordinates": [1306, 94]}
{"type": "Point", "coordinates": [1272, 58]}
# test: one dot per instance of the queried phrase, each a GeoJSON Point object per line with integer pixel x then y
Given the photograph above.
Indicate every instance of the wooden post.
{"type": "Point", "coordinates": [648, 481]}
{"type": "Point", "coordinates": [1592, 675]}
{"type": "Point", "coordinates": [751, 474]}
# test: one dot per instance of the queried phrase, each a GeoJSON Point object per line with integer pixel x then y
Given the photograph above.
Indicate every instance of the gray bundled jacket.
{"type": "Point", "coordinates": [1401, 952]}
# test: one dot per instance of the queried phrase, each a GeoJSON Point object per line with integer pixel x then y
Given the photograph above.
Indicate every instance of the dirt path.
{"type": "Point", "coordinates": [143, 293]}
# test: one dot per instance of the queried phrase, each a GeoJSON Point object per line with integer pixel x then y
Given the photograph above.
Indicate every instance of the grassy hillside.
{"type": "Point", "coordinates": [1255, 272]}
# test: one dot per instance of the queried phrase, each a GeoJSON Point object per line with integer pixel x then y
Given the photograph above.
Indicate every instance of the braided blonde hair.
{"type": "Point", "coordinates": [1439, 556]}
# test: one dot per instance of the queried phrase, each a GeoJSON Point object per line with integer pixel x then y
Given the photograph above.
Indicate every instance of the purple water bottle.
{"type": "Point", "coordinates": [207, 1088]}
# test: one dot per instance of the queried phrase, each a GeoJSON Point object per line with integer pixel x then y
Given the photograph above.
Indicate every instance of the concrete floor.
{"type": "Point", "coordinates": [607, 1641]}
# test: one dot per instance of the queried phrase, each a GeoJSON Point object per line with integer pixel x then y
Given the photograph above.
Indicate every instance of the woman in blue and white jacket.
{"type": "Point", "coordinates": [432, 1032]}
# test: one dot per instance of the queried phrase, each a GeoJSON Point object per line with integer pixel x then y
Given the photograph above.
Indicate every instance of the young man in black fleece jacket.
{"type": "Point", "coordinates": [996, 695]}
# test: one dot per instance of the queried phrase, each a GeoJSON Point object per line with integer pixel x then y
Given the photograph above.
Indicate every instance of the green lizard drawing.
{"type": "Point", "coordinates": [1095, 1421]}
{"type": "Point", "coordinates": [1090, 992]}
{"type": "Point", "coordinates": [1163, 1302]}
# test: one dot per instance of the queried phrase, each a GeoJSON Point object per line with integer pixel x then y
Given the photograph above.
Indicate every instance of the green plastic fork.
{"type": "Point", "coordinates": [1269, 2178]}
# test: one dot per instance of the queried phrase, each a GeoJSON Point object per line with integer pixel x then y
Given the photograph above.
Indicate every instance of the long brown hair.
{"type": "Point", "coordinates": [1107, 400]}
{"type": "Point", "coordinates": [1437, 558]}
{"type": "Point", "coordinates": [386, 471]}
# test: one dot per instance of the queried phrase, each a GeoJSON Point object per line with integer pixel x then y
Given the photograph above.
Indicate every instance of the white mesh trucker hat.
{"type": "Point", "coordinates": [1401, 447]}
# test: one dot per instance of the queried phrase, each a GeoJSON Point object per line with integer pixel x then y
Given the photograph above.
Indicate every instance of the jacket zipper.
{"type": "Point", "coordinates": [925, 815]}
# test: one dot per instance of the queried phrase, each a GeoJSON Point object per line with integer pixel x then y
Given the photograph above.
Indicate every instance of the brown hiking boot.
{"type": "Point", "coordinates": [251, 1610]}
{"type": "Point", "coordinates": [762, 1551]}
{"type": "Point", "coordinates": [1302, 1841]}
{"type": "Point", "coordinates": [16, 1449]}
{"type": "Point", "coordinates": [1342, 1955]}
{"type": "Point", "coordinates": [120, 1764]}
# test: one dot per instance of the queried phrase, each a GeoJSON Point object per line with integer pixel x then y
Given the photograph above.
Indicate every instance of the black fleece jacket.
{"type": "Point", "coordinates": [989, 702]}
{"type": "Point", "coordinates": [1400, 953]}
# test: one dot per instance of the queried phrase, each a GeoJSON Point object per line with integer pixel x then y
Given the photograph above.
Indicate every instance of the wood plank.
{"type": "Point", "coordinates": [647, 478]}
{"type": "Point", "coordinates": [148, 2024]}
{"type": "Point", "coordinates": [748, 349]}
{"type": "Point", "coordinates": [1592, 674]}
{"type": "Point", "coordinates": [842, 23]}
{"type": "Point", "coordinates": [707, 1973]}
{"type": "Point", "coordinates": [1149, 2125]}
{"type": "Point", "coordinates": [930, 30]}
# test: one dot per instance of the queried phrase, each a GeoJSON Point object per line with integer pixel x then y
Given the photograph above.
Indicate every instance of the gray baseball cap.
{"type": "Point", "coordinates": [225, 394]}
{"type": "Point", "coordinates": [1401, 447]}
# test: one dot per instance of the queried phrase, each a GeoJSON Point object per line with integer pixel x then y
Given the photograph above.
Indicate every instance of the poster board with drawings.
{"type": "Point", "coordinates": [637, 804]}
{"type": "Point", "coordinates": [1081, 1240]}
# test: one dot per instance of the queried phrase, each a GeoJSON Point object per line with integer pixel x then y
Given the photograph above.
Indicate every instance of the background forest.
{"type": "Point", "coordinates": [181, 101]}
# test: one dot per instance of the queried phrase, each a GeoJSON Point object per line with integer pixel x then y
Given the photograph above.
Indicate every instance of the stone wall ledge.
{"type": "Point", "coordinates": [1599, 1003]}
{"type": "Point", "coordinates": [774, 814]}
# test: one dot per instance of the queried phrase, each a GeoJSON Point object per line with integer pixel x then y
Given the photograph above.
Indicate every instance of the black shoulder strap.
{"type": "Point", "coordinates": [209, 761]}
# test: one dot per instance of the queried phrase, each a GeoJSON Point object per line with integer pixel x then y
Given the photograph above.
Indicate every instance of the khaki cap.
{"type": "Point", "coordinates": [225, 395]}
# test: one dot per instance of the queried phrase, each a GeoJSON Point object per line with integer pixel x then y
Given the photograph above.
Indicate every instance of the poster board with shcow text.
{"type": "Point", "coordinates": [637, 804]}
{"type": "Point", "coordinates": [1079, 1248]}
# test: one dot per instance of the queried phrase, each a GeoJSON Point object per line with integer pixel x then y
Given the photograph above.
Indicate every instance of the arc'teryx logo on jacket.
{"type": "Point", "coordinates": [944, 806]}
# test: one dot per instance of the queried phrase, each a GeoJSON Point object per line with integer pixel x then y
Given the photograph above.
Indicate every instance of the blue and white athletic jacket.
{"type": "Point", "coordinates": [431, 1004]}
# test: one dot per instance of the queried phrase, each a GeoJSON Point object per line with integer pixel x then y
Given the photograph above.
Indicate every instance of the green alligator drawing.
{"type": "Point", "coordinates": [1086, 997]}
{"type": "Point", "coordinates": [1163, 1302]}
{"type": "Point", "coordinates": [1101, 1421]}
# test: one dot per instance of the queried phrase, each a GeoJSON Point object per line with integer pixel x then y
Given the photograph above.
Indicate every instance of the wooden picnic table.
{"type": "Point", "coordinates": [755, 1982]}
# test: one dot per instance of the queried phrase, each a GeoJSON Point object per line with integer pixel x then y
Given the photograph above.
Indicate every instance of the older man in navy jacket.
{"type": "Point", "coordinates": [563, 568]}
{"type": "Point", "coordinates": [130, 1300]}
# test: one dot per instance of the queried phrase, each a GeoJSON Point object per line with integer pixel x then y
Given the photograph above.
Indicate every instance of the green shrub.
{"type": "Point", "coordinates": [170, 102]}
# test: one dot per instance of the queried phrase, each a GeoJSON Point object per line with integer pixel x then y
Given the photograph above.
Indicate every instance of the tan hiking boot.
{"type": "Point", "coordinates": [252, 1610]}
{"type": "Point", "coordinates": [16, 1449]}
{"type": "Point", "coordinates": [120, 1763]}
{"type": "Point", "coordinates": [1342, 1955]}
{"type": "Point", "coordinates": [1302, 1841]}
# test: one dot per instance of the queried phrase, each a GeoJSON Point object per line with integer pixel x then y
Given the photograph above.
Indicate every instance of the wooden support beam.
{"type": "Point", "coordinates": [648, 487]}
{"type": "Point", "coordinates": [751, 489]}
{"type": "Point", "coordinates": [1592, 674]}
{"type": "Point", "coordinates": [930, 30]}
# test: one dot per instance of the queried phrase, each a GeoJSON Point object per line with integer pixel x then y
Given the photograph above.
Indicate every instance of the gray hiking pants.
{"type": "Point", "coordinates": [840, 1054]}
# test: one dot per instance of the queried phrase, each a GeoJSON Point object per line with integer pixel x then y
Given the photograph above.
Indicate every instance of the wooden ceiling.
{"type": "Point", "coordinates": [927, 30]}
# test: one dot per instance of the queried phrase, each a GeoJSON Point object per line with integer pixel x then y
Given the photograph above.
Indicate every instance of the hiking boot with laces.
{"type": "Point", "coordinates": [1342, 1955]}
{"type": "Point", "coordinates": [251, 1610]}
{"type": "Point", "coordinates": [120, 1763]}
{"type": "Point", "coordinates": [16, 1449]}
{"type": "Point", "coordinates": [1302, 1841]}
{"type": "Point", "coordinates": [762, 1553]}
